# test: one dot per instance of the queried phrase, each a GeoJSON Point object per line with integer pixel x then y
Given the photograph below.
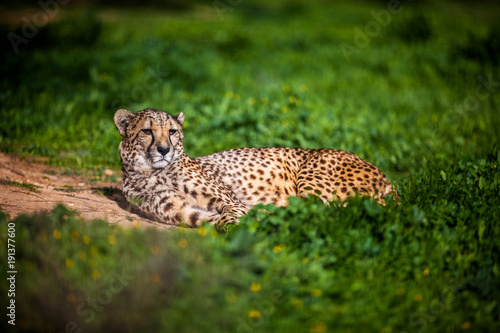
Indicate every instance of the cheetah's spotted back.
{"type": "Point", "coordinates": [270, 175]}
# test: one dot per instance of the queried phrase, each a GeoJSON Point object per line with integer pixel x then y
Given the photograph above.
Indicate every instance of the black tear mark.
{"type": "Point", "coordinates": [135, 137]}
{"type": "Point", "coordinates": [152, 141]}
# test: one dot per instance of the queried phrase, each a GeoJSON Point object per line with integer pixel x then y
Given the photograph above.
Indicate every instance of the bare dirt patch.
{"type": "Point", "coordinates": [91, 200]}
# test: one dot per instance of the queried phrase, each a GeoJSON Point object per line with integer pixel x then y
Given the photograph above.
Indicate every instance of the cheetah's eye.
{"type": "Point", "coordinates": [147, 131]}
{"type": "Point", "coordinates": [172, 131]}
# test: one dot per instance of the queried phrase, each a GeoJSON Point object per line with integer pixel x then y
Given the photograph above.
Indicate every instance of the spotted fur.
{"type": "Point", "coordinates": [164, 183]}
{"type": "Point", "coordinates": [167, 185]}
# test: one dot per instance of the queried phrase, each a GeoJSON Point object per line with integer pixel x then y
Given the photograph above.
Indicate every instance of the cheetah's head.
{"type": "Point", "coordinates": [152, 139]}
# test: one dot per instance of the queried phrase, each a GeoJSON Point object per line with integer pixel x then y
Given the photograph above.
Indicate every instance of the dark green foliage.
{"type": "Point", "coordinates": [485, 50]}
{"type": "Point", "coordinates": [415, 29]}
{"type": "Point", "coordinates": [270, 74]}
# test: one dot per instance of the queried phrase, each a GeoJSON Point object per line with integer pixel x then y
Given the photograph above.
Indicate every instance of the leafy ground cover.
{"type": "Point", "coordinates": [415, 92]}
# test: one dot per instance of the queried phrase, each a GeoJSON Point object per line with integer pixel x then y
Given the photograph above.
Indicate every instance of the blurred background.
{"type": "Point", "coordinates": [394, 82]}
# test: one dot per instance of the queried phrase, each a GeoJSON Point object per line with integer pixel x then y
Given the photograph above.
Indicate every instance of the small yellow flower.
{"type": "Point", "coordinates": [112, 239]}
{"type": "Point", "coordinates": [316, 292]}
{"type": "Point", "coordinates": [57, 234]}
{"type": "Point", "coordinates": [465, 325]}
{"type": "Point", "coordinates": [82, 255]}
{"type": "Point", "coordinates": [426, 272]}
{"type": "Point", "coordinates": [338, 309]}
{"type": "Point", "coordinates": [284, 123]}
{"type": "Point", "coordinates": [185, 124]}
{"type": "Point", "coordinates": [92, 262]}
{"type": "Point", "coordinates": [28, 265]}
{"type": "Point", "coordinates": [182, 243]}
{"type": "Point", "coordinates": [255, 286]}
{"type": "Point", "coordinates": [43, 235]}
{"type": "Point", "coordinates": [279, 248]}
{"type": "Point", "coordinates": [213, 234]}
{"type": "Point", "coordinates": [401, 291]}
{"type": "Point", "coordinates": [155, 250]}
{"type": "Point", "coordinates": [74, 236]}
{"type": "Point", "coordinates": [292, 99]}
{"type": "Point", "coordinates": [155, 278]}
{"type": "Point", "coordinates": [305, 260]}
{"type": "Point", "coordinates": [284, 109]}
{"type": "Point", "coordinates": [318, 328]}
{"type": "Point", "coordinates": [94, 252]}
{"type": "Point", "coordinates": [254, 313]}
{"type": "Point", "coordinates": [418, 298]}
{"type": "Point", "coordinates": [69, 263]}
{"type": "Point", "coordinates": [265, 101]}
{"type": "Point", "coordinates": [229, 94]}
{"type": "Point", "coordinates": [303, 88]}
{"type": "Point", "coordinates": [202, 231]}
{"type": "Point", "coordinates": [251, 101]}
{"type": "Point", "coordinates": [231, 298]}
{"type": "Point", "coordinates": [86, 240]}
{"type": "Point", "coordinates": [286, 89]}
{"type": "Point", "coordinates": [96, 275]}
{"type": "Point", "coordinates": [297, 302]}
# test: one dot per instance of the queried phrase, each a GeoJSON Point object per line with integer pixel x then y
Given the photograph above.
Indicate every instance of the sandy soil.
{"type": "Point", "coordinates": [75, 192]}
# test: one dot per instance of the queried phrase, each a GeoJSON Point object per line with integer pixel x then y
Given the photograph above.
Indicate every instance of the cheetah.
{"type": "Point", "coordinates": [167, 185]}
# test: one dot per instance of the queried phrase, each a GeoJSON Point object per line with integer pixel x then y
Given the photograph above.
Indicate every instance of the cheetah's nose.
{"type": "Point", "coordinates": [163, 150]}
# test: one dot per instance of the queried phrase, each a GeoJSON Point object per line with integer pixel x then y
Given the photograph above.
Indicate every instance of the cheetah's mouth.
{"type": "Point", "coordinates": [161, 164]}
{"type": "Point", "coordinates": [160, 161]}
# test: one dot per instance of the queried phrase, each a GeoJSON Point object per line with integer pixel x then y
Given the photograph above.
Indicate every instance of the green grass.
{"type": "Point", "coordinates": [413, 102]}
{"type": "Point", "coordinates": [30, 187]}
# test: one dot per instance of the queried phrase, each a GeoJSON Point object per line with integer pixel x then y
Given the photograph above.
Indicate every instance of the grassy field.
{"type": "Point", "coordinates": [413, 89]}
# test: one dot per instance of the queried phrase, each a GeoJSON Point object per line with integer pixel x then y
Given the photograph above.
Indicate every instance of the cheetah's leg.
{"type": "Point", "coordinates": [230, 214]}
{"type": "Point", "coordinates": [194, 217]}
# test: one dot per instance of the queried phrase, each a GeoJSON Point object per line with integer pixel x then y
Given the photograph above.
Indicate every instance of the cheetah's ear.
{"type": "Point", "coordinates": [180, 118]}
{"type": "Point", "coordinates": [122, 119]}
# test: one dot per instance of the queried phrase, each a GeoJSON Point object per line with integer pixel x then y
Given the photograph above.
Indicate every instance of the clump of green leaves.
{"type": "Point", "coordinates": [305, 266]}
{"type": "Point", "coordinates": [30, 187]}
